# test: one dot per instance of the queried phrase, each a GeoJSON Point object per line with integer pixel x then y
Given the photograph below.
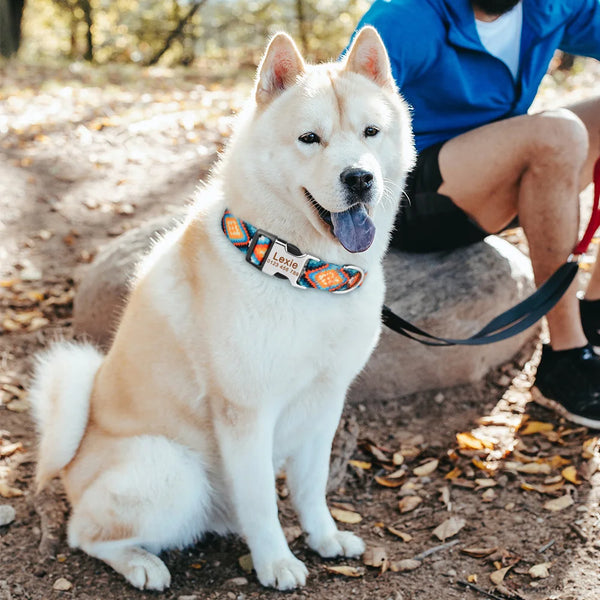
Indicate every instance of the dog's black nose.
{"type": "Point", "coordinates": [358, 180]}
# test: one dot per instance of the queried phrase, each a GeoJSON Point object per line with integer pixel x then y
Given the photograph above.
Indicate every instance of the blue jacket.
{"type": "Point", "coordinates": [451, 81]}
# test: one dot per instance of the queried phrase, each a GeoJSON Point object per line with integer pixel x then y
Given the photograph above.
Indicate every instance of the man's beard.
{"type": "Point", "coordinates": [495, 7]}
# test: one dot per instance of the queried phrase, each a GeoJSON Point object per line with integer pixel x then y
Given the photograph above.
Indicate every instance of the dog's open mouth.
{"type": "Point", "coordinates": [353, 227]}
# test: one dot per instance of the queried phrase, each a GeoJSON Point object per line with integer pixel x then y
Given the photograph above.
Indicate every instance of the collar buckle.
{"type": "Point", "coordinates": [274, 256]}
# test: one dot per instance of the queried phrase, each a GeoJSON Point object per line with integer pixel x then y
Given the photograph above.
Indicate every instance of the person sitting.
{"type": "Point", "coordinates": [470, 69]}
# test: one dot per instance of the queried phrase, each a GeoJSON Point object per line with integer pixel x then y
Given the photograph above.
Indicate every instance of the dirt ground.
{"type": "Point", "coordinates": [86, 154]}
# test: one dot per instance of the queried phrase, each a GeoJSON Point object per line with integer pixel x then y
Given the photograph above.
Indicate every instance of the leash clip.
{"type": "Point", "coordinates": [281, 259]}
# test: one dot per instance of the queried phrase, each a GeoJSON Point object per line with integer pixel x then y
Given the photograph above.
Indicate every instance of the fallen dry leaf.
{"type": "Point", "coordinates": [427, 468]}
{"type": "Point", "coordinates": [389, 481]}
{"type": "Point", "coordinates": [449, 528]}
{"type": "Point", "coordinates": [532, 427]}
{"type": "Point", "coordinates": [375, 557]}
{"type": "Point", "coordinates": [408, 564]}
{"type": "Point", "coordinates": [398, 459]}
{"type": "Point", "coordinates": [556, 461]}
{"type": "Point", "coordinates": [345, 516]}
{"type": "Point", "coordinates": [454, 474]}
{"type": "Point", "coordinates": [398, 473]}
{"type": "Point", "coordinates": [6, 491]}
{"type": "Point", "coordinates": [15, 391]}
{"type": "Point", "coordinates": [361, 464]}
{"type": "Point", "coordinates": [10, 449]}
{"type": "Point", "coordinates": [405, 537]}
{"type": "Point", "coordinates": [246, 563]}
{"type": "Point", "coordinates": [410, 452]}
{"type": "Point", "coordinates": [18, 406]}
{"type": "Point", "coordinates": [511, 420]}
{"type": "Point", "coordinates": [532, 468]}
{"type": "Point", "coordinates": [463, 483]}
{"type": "Point", "coordinates": [590, 447]}
{"type": "Point", "coordinates": [377, 452]}
{"type": "Point", "coordinates": [540, 571]}
{"type": "Point", "coordinates": [559, 503]}
{"type": "Point", "coordinates": [498, 576]}
{"type": "Point", "coordinates": [485, 466]}
{"type": "Point", "coordinates": [489, 495]}
{"type": "Point", "coordinates": [542, 489]}
{"type": "Point", "coordinates": [478, 552]}
{"type": "Point", "coordinates": [590, 467]}
{"type": "Point", "coordinates": [485, 483]}
{"type": "Point", "coordinates": [345, 570]}
{"type": "Point", "coordinates": [409, 503]}
{"type": "Point", "coordinates": [292, 533]}
{"type": "Point", "coordinates": [445, 496]}
{"type": "Point", "coordinates": [467, 441]}
{"type": "Point", "coordinates": [569, 473]}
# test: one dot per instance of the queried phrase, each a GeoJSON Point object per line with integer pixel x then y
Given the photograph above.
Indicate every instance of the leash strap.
{"type": "Point", "coordinates": [525, 313]}
{"type": "Point", "coordinates": [274, 256]}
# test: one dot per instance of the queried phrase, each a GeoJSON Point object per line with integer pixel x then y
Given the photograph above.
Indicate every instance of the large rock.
{"type": "Point", "coordinates": [447, 293]}
{"type": "Point", "coordinates": [104, 286]}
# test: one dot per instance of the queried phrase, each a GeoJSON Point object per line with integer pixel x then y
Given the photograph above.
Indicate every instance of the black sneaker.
{"type": "Point", "coordinates": [590, 320]}
{"type": "Point", "coordinates": [568, 382]}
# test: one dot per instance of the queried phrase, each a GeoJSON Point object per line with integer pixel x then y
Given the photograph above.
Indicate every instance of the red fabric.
{"type": "Point", "coordinates": [594, 223]}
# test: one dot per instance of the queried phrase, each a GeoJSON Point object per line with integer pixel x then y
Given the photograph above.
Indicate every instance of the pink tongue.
{"type": "Point", "coordinates": [353, 228]}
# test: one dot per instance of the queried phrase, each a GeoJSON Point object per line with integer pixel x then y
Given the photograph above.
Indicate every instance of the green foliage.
{"type": "Point", "coordinates": [222, 33]}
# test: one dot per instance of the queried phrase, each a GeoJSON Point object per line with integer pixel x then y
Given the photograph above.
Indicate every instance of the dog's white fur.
{"type": "Point", "coordinates": [219, 375]}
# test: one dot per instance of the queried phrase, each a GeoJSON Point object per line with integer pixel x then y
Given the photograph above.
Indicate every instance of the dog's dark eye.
{"type": "Point", "coordinates": [309, 138]}
{"type": "Point", "coordinates": [370, 131]}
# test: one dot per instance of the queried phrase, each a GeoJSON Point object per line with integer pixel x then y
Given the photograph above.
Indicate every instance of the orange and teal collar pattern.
{"type": "Point", "coordinates": [279, 258]}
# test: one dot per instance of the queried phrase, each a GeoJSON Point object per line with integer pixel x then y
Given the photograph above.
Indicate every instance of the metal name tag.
{"type": "Point", "coordinates": [280, 261]}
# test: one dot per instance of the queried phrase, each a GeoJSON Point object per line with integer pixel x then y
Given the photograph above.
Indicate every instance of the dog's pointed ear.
{"type": "Point", "coordinates": [367, 56]}
{"type": "Point", "coordinates": [279, 68]}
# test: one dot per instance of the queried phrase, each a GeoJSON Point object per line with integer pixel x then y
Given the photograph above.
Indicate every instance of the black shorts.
{"type": "Point", "coordinates": [428, 221]}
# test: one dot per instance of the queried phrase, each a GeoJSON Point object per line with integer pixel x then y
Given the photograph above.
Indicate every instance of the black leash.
{"type": "Point", "coordinates": [523, 315]}
{"type": "Point", "coordinates": [509, 323]}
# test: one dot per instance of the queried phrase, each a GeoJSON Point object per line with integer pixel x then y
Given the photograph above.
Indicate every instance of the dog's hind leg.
{"type": "Point", "coordinates": [153, 495]}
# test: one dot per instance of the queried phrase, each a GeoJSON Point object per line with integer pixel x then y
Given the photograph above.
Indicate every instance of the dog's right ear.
{"type": "Point", "coordinates": [278, 69]}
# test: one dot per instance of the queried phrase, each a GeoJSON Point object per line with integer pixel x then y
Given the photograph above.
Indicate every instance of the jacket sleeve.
{"type": "Point", "coordinates": [400, 26]}
{"type": "Point", "coordinates": [582, 33]}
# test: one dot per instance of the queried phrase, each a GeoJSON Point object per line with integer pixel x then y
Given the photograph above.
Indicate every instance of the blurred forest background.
{"type": "Point", "coordinates": [216, 33]}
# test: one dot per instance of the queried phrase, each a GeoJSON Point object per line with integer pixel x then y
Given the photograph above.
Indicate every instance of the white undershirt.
{"type": "Point", "coordinates": [502, 37]}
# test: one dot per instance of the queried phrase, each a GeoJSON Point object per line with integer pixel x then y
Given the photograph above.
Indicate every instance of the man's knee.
{"type": "Point", "coordinates": [560, 139]}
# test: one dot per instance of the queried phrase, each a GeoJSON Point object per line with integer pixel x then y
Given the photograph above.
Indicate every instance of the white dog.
{"type": "Point", "coordinates": [219, 374]}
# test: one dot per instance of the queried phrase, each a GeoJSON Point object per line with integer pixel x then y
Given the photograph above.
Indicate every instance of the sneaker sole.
{"type": "Point", "coordinates": [558, 408]}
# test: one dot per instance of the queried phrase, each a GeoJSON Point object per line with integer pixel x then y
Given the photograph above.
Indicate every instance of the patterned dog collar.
{"type": "Point", "coordinates": [277, 257]}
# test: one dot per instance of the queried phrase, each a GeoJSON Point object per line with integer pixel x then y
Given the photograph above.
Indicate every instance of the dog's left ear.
{"type": "Point", "coordinates": [278, 69]}
{"type": "Point", "coordinates": [367, 56]}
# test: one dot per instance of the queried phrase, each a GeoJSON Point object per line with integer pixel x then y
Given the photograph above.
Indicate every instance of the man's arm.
{"type": "Point", "coordinates": [582, 34]}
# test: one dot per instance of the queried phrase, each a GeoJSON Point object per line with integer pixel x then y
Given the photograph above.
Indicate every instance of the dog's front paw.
{"type": "Point", "coordinates": [284, 574]}
{"type": "Point", "coordinates": [146, 571]}
{"type": "Point", "coordinates": [340, 543]}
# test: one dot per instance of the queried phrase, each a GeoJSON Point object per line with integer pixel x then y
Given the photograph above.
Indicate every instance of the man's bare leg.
{"type": "Point", "coordinates": [533, 166]}
{"type": "Point", "coordinates": [589, 113]}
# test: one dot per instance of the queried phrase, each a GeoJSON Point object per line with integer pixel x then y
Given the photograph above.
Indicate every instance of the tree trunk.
{"type": "Point", "coordinates": [11, 13]}
{"type": "Point", "coordinates": [176, 32]}
{"type": "Point", "coordinates": [301, 18]}
{"type": "Point", "coordinates": [87, 16]}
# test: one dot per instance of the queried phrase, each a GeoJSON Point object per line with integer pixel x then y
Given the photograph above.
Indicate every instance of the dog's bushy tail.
{"type": "Point", "coordinates": [60, 398]}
